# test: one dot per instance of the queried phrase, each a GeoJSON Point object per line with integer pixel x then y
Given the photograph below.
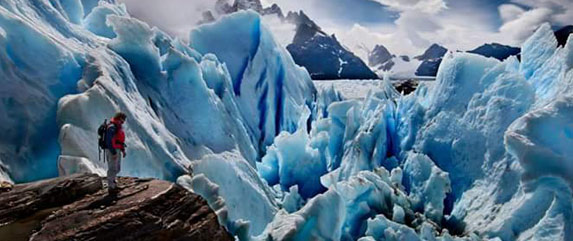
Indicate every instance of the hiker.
{"type": "Point", "coordinates": [115, 143]}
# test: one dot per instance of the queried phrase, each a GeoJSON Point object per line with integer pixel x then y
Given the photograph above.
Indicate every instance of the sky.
{"type": "Point", "coordinates": [405, 27]}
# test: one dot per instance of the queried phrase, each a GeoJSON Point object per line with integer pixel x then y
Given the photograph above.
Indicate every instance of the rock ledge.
{"type": "Point", "coordinates": [77, 207]}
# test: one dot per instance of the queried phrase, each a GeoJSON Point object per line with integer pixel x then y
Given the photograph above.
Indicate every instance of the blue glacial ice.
{"type": "Point", "coordinates": [269, 88]}
{"type": "Point", "coordinates": [481, 153]}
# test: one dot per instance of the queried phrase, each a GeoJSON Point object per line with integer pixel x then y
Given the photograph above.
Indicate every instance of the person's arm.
{"type": "Point", "coordinates": [121, 142]}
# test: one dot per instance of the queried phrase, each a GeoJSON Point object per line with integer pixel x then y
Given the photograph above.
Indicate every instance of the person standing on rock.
{"type": "Point", "coordinates": [115, 143]}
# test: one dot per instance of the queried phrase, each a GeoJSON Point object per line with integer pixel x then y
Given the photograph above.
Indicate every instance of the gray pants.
{"type": "Point", "coordinates": [113, 167]}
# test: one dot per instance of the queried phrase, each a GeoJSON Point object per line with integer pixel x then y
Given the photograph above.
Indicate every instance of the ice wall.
{"type": "Point", "coordinates": [499, 130]}
{"type": "Point", "coordinates": [42, 54]}
{"type": "Point", "coordinates": [269, 87]}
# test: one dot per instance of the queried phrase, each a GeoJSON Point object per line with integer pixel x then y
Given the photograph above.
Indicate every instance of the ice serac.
{"type": "Point", "coordinates": [186, 101]}
{"type": "Point", "coordinates": [96, 20]}
{"type": "Point", "coordinates": [293, 159]}
{"type": "Point", "coordinates": [230, 184]}
{"type": "Point", "coordinates": [427, 185]}
{"type": "Point", "coordinates": [481, 151]}
{"type": "Point", "coordinates": [311, 222]}
{"type": "Point", "coordinates": [270, 88]}
{"type": "Point", "coordinates": [537, 50]}
{"type": "Point", "coordinates": [499, 130]}
{"type": "Point", "coordinates": [33, 81]}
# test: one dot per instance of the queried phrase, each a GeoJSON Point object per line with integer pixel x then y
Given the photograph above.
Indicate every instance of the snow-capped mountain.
{"type": "Point", "coordinates": [427, 63]}
{"type": "Point", "coordinates": [308, 43]}
{"type": "Point", "coordinates": [334, 61]}
{"type": "Point", "coordinates": [381, 60]}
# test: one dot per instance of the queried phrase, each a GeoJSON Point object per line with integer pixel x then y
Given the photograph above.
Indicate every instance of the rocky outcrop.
{"type": "Point", "coordinates": [78, 207]}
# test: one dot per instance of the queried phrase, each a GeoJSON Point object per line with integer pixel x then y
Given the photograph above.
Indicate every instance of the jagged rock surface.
{"type": "Point", "coordinates": [77, 207]}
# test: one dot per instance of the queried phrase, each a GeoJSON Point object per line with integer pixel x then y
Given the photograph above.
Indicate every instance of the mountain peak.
{"type": "Point", "coordinates": [248, 4]}
{"type": "Point", "coordinates": [380, 56]}
{"type": "Point", "coordinates": [435, 51]}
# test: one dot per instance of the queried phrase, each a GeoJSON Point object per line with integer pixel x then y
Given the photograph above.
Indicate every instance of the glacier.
{"type": "Point", "coordinates": [482, 153]}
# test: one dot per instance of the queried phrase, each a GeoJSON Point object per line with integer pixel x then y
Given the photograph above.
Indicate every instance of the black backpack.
{"type": "Point", "coordinates": [101, 133]}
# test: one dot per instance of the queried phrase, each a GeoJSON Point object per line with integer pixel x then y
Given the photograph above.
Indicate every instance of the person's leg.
{"type": "Point", "coordinates": [117, 162]}
{"type": "Point", "coordinates": [111, 169]}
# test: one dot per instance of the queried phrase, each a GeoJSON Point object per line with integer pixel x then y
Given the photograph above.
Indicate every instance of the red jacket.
{"type": "Point", "coordinates": [118, 140]}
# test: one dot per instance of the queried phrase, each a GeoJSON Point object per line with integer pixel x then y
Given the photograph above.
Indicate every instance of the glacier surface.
{"type": "Point", "coordinates": [484, 152]}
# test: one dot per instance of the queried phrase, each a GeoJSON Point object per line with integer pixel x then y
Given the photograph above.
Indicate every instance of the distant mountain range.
{"type": "Point", "coordinates": [381, 59]}
{"type": "Point", "coordinates": [325, 57]}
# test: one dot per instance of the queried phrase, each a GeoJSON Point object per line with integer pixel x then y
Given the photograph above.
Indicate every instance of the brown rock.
{"type": "Point", "coordinates": [78, 208]}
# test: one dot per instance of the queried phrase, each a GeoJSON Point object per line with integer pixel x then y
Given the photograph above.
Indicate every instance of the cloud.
{"type": "Point", "coordinates": [461, 27]}
{"type": "Point", "coordinates": [562, 9]}
{"type": "Point", "coordinates": [176, 17]}
{"type": "Point", "coordinates": [282, 32]}
{"type": "Point", "coordinates": [340, 13]}
{"type": "Point", "coordinates": [509, 12]}
{"type": "Point", "coordinates": [425, 6]}
{"type": "Point", "coordinates": [520, 28]}
{"type": "Point", "coordinates": [360, 39]}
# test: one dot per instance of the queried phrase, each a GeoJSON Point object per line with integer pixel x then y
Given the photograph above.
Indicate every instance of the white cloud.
{"type": "Point", "coordinates": [509, 12]}
{"type": "Point", "coordinates": [425, 6]}
{"type": "Point", "coordinates": [176, 17]}
{"type": "Point", "coordinates": [562, 9]}
{"type": "Point", "coordinates": [283, 32]}
{"type": "Point", "coordinates": [415, 31]}
{"type": "Point", "coordinates": [359, 39]}
{"type": "Point", "coordinates": [525, 24]}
